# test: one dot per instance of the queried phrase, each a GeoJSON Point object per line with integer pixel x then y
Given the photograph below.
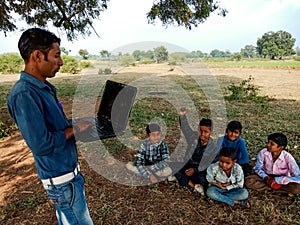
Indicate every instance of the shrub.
{"type": "Point", "coordinates": [246, 90]}
{"type": "Point", "coordinates": [85, 64]}
{"type": "Point", "coordinates": [127, 60]}
{"type": "Point", "coordinates": [105, 71]}
{"type": "Point", "coordinates": [11, 63]}
{"type": "Point", "coordinates": [71, 65]}
{"type": "Point", "coordinates": [146, 61]}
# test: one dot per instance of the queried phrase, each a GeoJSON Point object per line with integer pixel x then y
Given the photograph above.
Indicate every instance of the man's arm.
{"type": "Point", "coordinates": [28, 112]}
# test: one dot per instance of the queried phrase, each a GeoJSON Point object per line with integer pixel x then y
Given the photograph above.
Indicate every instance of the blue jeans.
{"type": "Point", "coordinates": [69, 201]}
{"type": "Point", "coordinates": [227, 196]}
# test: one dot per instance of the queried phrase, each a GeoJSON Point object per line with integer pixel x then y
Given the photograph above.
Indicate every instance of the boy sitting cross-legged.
{"type": "Point", "coordinates": [275, 168]}
{"type": "Point", "coordinates": [233, 139]}
{"type": "Point", "coordinates": [226, 180]}
{"type": "Point", "coordinates": [152, 157]}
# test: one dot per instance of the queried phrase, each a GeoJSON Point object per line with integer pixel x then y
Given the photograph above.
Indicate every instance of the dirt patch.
{"type": "Point", "coordinates": [276, 83]}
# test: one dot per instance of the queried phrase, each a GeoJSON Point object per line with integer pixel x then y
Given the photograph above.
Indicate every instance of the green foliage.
{"type": "Point", "coordinates": [161, 54]}
{"type": "Point", "coordinates": [64, 50]}
{"type": "Point", "coordinates": [127, 60]}
{"type": "Point", "coordinates": [196, 54]}
{"type": "Point", "coordinates": [252, 63]}
{"type": "Point", "coordinates": [177, 57]}
{"type": "Point", "coordinates": [11, 63]}
{"type": "Point", "coordinates": [105, 54]}
{"type": "Point", "coordinates": [183, 13]}
{"type": "Point", "coordinates": [105, 71]}
{"type": "Point", "coordinates": [72, 17]}
{"type": "Point", "coordinates": [237, 56]}
{"type": "Point", "coordinates": [220, 54]}
{"type": "Point", "coordinates": [85, 64]}
{"type": "Point", "coordinates": [29, 203]}
{"type": "Point", "coordinates": [146, 61]}
{"type": "Point", "coordinates": [76, 17]}
{"type": "Point", "coordinates": [139, 55]}
{"type": "Point", "coordinates": [71, 65]}
{"type": "Point", "coordinates": [83, 53]}
{"type": "Point", "coordinates": [249, 51]}
{"type": "Point", "coordinates": [246, 90]}
{"type": "Point", "coordinates": [276, 44]}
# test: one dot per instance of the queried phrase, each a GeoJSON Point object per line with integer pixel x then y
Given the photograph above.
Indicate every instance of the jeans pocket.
{"type": "Point", "coordinates": [62, 196]}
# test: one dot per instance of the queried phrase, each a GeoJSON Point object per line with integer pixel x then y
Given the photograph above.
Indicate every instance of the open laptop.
{"type": "Point", "coordinates": [113, 113]}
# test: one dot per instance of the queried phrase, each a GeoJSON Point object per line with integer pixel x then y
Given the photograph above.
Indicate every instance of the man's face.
{"type": "Point", "coordinates": [50, 67]}
{"type": "Point", "coordinates": [204, 134]}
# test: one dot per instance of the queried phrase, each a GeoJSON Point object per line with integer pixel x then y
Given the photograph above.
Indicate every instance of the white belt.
{"type": "Point", "coordinates": [61, 179]}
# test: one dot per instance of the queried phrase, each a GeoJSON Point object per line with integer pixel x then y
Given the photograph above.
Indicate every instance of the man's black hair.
{"type": "Point", "coordinates": [228, 152]}
{"type": "Point", "coordinates": [234, 125]}
{"type": "Point", "coordinates": [36, 39]}
{"type": "Point", "coordinates": [279, 138]}
{"type": "Point", "coordinates": [152, 127]}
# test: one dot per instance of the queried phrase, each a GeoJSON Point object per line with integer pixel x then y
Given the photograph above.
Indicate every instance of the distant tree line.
{"type": "Point", "coordinates": [273, 45]}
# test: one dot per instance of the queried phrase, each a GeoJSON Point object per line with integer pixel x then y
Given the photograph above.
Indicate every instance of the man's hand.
{"type": "Point", "coordinates": [83, 125]}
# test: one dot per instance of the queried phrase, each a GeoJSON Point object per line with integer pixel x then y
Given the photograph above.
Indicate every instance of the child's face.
{"type": "Point", "coordinates": [204, 134]}
{"type": "Point", "coordinates": [233, 135]}
{"type": "Point", "coordinates": [273, 147]}
{"type": "Point", "coordinates": [226, 163]}
{"type": "Point", "coordinates": [154, 137]}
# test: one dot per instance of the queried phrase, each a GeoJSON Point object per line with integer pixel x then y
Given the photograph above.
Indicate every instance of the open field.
{"type": "Point", "coordinates": [23, 200]}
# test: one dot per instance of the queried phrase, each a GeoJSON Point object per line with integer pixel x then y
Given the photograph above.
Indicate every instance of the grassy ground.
{"type": "Point", "coordinates": [163, 203]}
{"type": "Point", "coordinates": [254, 63]}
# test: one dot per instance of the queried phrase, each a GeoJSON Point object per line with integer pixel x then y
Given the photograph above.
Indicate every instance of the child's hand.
{"type": "Point", "coordinates": [226, 184]}
{"type": "Point", "coordinates": [270, 181]}
{"type": "Point", "coordinates": [219, 185]}
{"type": "Point", "coordinates": [153, 179]}
{"type": "Point", "coordinates": [189, 172]}
{"type": "Point", "coordinates": [182, 111]}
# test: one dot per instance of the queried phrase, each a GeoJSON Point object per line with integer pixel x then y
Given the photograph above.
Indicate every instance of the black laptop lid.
{"type": "Point", "coordinates": [116, 104]}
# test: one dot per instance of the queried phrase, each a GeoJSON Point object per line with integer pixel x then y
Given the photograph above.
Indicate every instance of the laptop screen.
{"type": "Point", "coordinates": [116, 104]}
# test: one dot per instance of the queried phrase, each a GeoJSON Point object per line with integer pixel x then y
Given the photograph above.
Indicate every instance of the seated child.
{"type": "Point", "coordinates": [152, 156]}
{"type": "Point", "coordinates": [200, 153]}
{"type": "Point", "coordinates": [275, 168]}
{"type": "Point", "coordinates": [233, 139]}
{"type": "Point", "coordinates": [226, 180]}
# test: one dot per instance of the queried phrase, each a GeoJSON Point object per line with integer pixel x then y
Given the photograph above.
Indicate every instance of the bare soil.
{"type": "Point", "coordinates": [24, 201]}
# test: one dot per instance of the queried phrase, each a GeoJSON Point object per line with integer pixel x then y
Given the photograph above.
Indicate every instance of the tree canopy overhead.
{"type": "Point", "coordinates": [76, 17]}
{"type": "Point", "coordinates": [186, 13]}
{"type": "Point", "coordinates": [72, 16]}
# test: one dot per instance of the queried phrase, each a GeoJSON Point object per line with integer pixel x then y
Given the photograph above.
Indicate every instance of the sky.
{"type": "Point", "coordinates": [125, 23]}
